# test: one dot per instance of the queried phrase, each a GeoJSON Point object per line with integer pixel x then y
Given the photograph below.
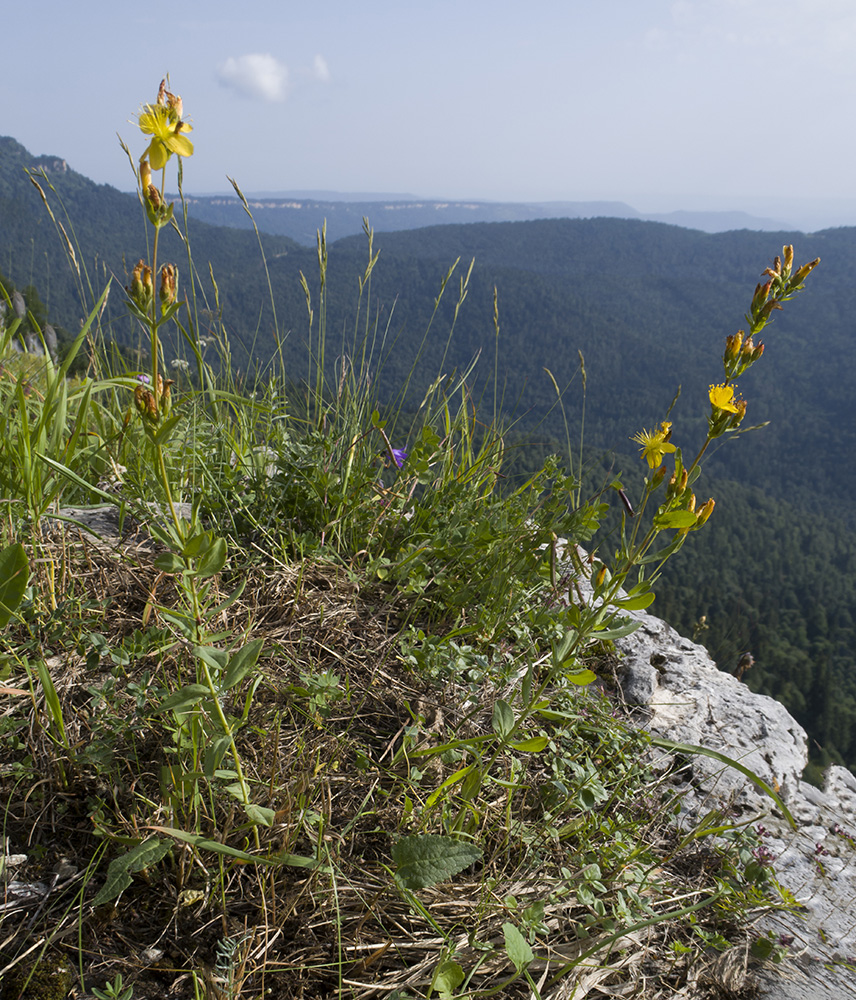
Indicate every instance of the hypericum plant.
{"type": "Point", "coordinates": [678, 513]}
{"type": "Point", "coordinates": [203, 730]}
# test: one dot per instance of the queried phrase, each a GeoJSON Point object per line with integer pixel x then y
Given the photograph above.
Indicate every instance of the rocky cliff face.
{"type": "Point", "coordinates": [683, 697]}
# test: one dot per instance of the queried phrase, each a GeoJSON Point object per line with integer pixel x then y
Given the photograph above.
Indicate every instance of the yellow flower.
{"type": "Point", "coordinates": [722, 398]}
{"type": "Point", "coordinates": [162, 122]}
{"type": "Point", "coordinates": [655, 444]}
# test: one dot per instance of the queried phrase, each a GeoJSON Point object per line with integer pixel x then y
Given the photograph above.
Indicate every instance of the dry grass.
{"type": "Point", "coordinates": [339, 777]}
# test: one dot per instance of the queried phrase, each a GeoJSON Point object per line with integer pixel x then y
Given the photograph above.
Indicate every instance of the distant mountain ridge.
{"type": "Point", "coordinates": [301, 216]}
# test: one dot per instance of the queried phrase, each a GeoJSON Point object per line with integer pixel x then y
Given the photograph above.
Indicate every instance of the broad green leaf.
{"type": "Point", "coordinates": [516, 947]}
{"type": "Point", "coordinates": [215, 658]}
{"type": "Point", "coordinates": [230, 600]}
{"type": "Point", "coordinates": [448, 976]}
{"type": "Point", "coordinates": [260, 815]}
{"type": "Point", "coordinates": [619, 631]}
{"type": "Point", "coordinates": [183, 699]}
{"type": "Point", "coordinates": [503, 718]}
{"type": "Point", "coordinates": [197, 544]}
{"type": "Point", "coordinates": [144, 855]}
{"type": "Point", "coordinates": [214, 756]}
{"type": "Point", "coordinates": [162, 434]}
{"type": "Point", "coordinates": [424, 859]}
{"type": "Point", "coordinates": [213, 559]}
{"type": "Point", "coordinates": [169, 562]}
{"type": "Point", "coordinates": [581, 677]}
{"type": "Point", "coordinates": [14, 573]}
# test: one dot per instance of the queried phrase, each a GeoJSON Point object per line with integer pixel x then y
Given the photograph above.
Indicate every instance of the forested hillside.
{"type": "Point", "coordinates": [648, 306]}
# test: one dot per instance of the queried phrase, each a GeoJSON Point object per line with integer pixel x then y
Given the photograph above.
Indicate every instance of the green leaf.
{"type": "Point", "coordinates": [453, 779]}
{"type": "Point", "coordinates": [169, 562]}
{"type": "Point", "coordinates": [581, 677]}
{"type": "Point", "coordinates": [503, 718]}
{"type": "Point", "coordinates": [627, 628]}
{"type": "Point", "coordinates": [516, 947]}
{"type": "Point", "coordinates": [686, 748]}
{"type": "Point", "coordinates": [634, 603]}
{"type": "Point", "coordinates": [260, 815]}
{"type": "Point", "coordinates": [534, 745]}
{"type": "Point", "coordinates": [448, 976]}
{"type": "Point", "coordinates": [197, 840]}
{"type": "Point", "coordinates": [213, 559]}
{"type": "Point", "coordinates": [162, 434]}
{"type": "Point", "coordinates": [14, 573]}
{"type": "Point", "coordinates": [675, 519]}
{"type": "Point", "coordinates": [242, 662]}
{"type": "Point", "coordinates": [144, 855]}
{"type": "Point", "coordinates": [183, 699]}
{"type": "Point", "coordinates": [197, 544]}
{"type": "Point", "coordinates": [215, 658]}
{"type": "Point", "coordinates": [424, 859]}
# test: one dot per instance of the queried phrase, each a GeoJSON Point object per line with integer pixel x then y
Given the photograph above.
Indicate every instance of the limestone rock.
{"type": "Point", "coordinates": [685, 698]}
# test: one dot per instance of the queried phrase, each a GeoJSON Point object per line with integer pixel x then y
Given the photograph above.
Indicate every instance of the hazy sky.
{"type": "Point", "coordinates": [660, 103]}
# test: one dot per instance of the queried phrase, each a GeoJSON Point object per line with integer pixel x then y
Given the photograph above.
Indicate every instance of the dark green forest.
{"type": "Point", "coordinates": [647, 304]}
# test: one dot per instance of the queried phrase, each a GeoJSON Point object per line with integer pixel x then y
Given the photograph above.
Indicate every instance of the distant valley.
{"type": "Point", "coordinates": [648, 305]}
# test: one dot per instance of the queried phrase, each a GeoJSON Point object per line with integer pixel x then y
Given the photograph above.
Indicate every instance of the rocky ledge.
{"type": "Point", "coordinates": [683, 697]}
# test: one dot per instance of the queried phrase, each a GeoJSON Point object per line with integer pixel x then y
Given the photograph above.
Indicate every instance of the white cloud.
{"type": "Point", "coordinates": [255, 75]}
{"type": "Point", "coordinates": [320, 69]}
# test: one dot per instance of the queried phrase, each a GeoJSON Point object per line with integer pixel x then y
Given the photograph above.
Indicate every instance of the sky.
{"type": "Point", "coordinates": [663, 104]}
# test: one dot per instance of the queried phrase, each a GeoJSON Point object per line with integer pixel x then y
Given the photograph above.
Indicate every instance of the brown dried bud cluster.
{"type": "Point", "coordinates": [142, 287]}
{"type": "Point", "coordinates": [152, 405]}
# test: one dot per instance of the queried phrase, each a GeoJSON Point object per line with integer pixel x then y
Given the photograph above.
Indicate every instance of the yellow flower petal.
{"type": "Point", "coordinates": [158, 154]}
{"type": "Point", "coordinates": [179, 145]}
{"type": "Point", "coordinates": [654, 445]}
{"type": "Point", "coordinates": [722, 398]}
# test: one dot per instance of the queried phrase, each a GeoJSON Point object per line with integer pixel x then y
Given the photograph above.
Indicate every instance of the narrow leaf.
{"type": "Point", "coordinates": [686, 748]}
{"type": "Point", "coordinates": [184, 698]}
{"type": "Point", "coordinates": [294, 860]}
{"type": "Point", "coordinates": [534, 745]}
{"type": "Point", "coordinates": [14, 573]}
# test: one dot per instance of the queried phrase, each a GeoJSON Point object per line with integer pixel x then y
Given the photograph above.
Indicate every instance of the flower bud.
{"type": "Point", "coordinates": [733, 351]}
{"type": "Point", "coordinates": [735, 419]}
{"type": "Point", "coordinates": [141, 290]}
{"type": "Point", "coordinates": [804, 272]}
{"type": "Point", "coordinates": [788, 254]}
{"type": "Point", "coordinates": [691, 509]}
{"type": "Point", "coordinates": [167, 285]}
{"type": "Point", "coordinates": [145, 174]}
{"type": "Point", "coordinates": [705, 512]}
{"type": "Point", "coordinates": [657, 478]}
{"type": "Point", "coordinates": [175, 104]}
{"type": "Point", "coordinates": [145, 403]}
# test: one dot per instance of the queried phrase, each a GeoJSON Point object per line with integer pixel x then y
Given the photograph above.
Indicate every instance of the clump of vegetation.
{"type": "Point", "coordinates": [319, 716]}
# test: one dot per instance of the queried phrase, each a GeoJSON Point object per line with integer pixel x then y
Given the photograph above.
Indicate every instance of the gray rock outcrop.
{"type": "Point", "coordinates": [685, 698]}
